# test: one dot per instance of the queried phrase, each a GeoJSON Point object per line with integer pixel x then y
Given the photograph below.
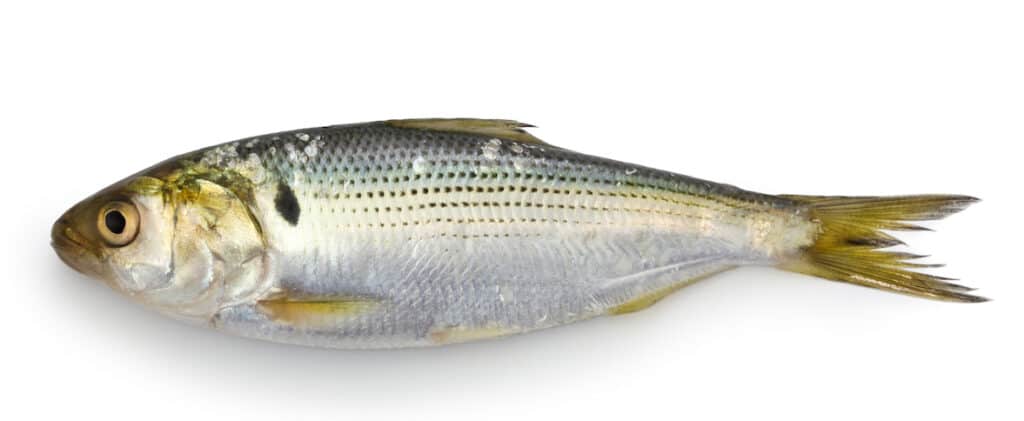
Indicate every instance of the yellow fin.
{"type": "Point", "coordinates": [850, 243]}
{"type": "Point", "coordinates": [648, 299]}
{"type": "Point", "coordinates": [501, 129]}
{"type": "Point", "coordinates": [644, 300]}
{"type": "Point", "coordinates": [313, 313]}
{"type": "Point", "coordinates": [458, 334]}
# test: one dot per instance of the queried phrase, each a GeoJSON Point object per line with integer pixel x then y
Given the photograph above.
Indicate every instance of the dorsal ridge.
{"type": "Point", "coordinates": [501, 129]}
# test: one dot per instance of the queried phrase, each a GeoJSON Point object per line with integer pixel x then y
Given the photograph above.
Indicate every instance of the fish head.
{"type": "Point", "coordinates": [182, 241]}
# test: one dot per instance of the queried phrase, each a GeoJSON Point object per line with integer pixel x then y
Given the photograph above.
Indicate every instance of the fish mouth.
{"type": "Point", "coordinates": [72, 248]}
{"type": "Point", "coordinates": [63, 237]}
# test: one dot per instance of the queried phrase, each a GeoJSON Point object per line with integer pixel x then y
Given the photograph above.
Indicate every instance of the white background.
{"type": "Point", "coordinates": [865, 97]}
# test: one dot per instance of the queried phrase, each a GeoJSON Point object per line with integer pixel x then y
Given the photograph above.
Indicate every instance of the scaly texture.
{"type": "Point", "coordinates": [455, 231]}
{"type": "Point", "coordinates": [434, 231]}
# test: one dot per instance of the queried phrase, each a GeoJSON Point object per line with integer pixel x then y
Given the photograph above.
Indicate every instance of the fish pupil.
{"type": "Point", "coordinates": [115, 221]}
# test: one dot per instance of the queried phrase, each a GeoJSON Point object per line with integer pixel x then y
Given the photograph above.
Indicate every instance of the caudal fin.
{"type": "Point", "coordinates": [850, 239]}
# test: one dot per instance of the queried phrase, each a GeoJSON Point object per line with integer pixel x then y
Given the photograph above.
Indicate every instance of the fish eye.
{"type": "Point", "coordinates": [118, 223]}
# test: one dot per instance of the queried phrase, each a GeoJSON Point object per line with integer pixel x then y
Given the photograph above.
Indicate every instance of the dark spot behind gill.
{"type": "Point", "coordinates": [286, 204]}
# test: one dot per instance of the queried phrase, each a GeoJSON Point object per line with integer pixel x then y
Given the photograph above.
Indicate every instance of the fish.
{"type": "Point", "coordinates": [424, 232]}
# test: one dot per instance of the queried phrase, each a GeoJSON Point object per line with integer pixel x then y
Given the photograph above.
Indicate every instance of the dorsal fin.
{"type": "Point", "coordinates": [501, 129]}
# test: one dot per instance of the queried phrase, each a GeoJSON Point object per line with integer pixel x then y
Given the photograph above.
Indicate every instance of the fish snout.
{"type": "Point", "coordinates": [72, 247]}
{"type": "Point", "coordinates": [59, 238]}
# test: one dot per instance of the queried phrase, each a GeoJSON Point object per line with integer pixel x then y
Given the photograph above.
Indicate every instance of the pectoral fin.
{"type": "Point", "coordinates": [320, 312]}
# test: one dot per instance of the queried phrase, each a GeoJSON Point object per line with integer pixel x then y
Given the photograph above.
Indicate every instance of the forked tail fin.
{"type": "Point", "coordinates": [850, 236]}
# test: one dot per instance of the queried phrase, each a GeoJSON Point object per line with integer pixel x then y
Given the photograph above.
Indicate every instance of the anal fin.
{"type": "Point", "coordinates": [645, 300]}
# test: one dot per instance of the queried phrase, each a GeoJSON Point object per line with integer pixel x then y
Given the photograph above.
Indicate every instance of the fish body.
{"type": "Point", "coordinates": [425, 232]}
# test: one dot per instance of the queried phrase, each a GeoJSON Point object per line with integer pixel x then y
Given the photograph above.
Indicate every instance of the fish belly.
{"type": "Point", "coordinates": [430, 288]}
{"type": "Point", "coordinates": [420, 240]}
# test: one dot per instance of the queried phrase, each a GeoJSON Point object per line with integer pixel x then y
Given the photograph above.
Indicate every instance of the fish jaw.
{"type": "Point", "coordinates": [76, 251]}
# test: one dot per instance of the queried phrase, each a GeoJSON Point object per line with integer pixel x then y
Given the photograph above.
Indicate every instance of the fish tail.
{"type": "Point", "coordinates": [851, 238]}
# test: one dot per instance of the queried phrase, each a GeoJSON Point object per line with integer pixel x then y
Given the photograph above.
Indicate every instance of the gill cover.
{"type": "Point", "coordinates": [217, 253]}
